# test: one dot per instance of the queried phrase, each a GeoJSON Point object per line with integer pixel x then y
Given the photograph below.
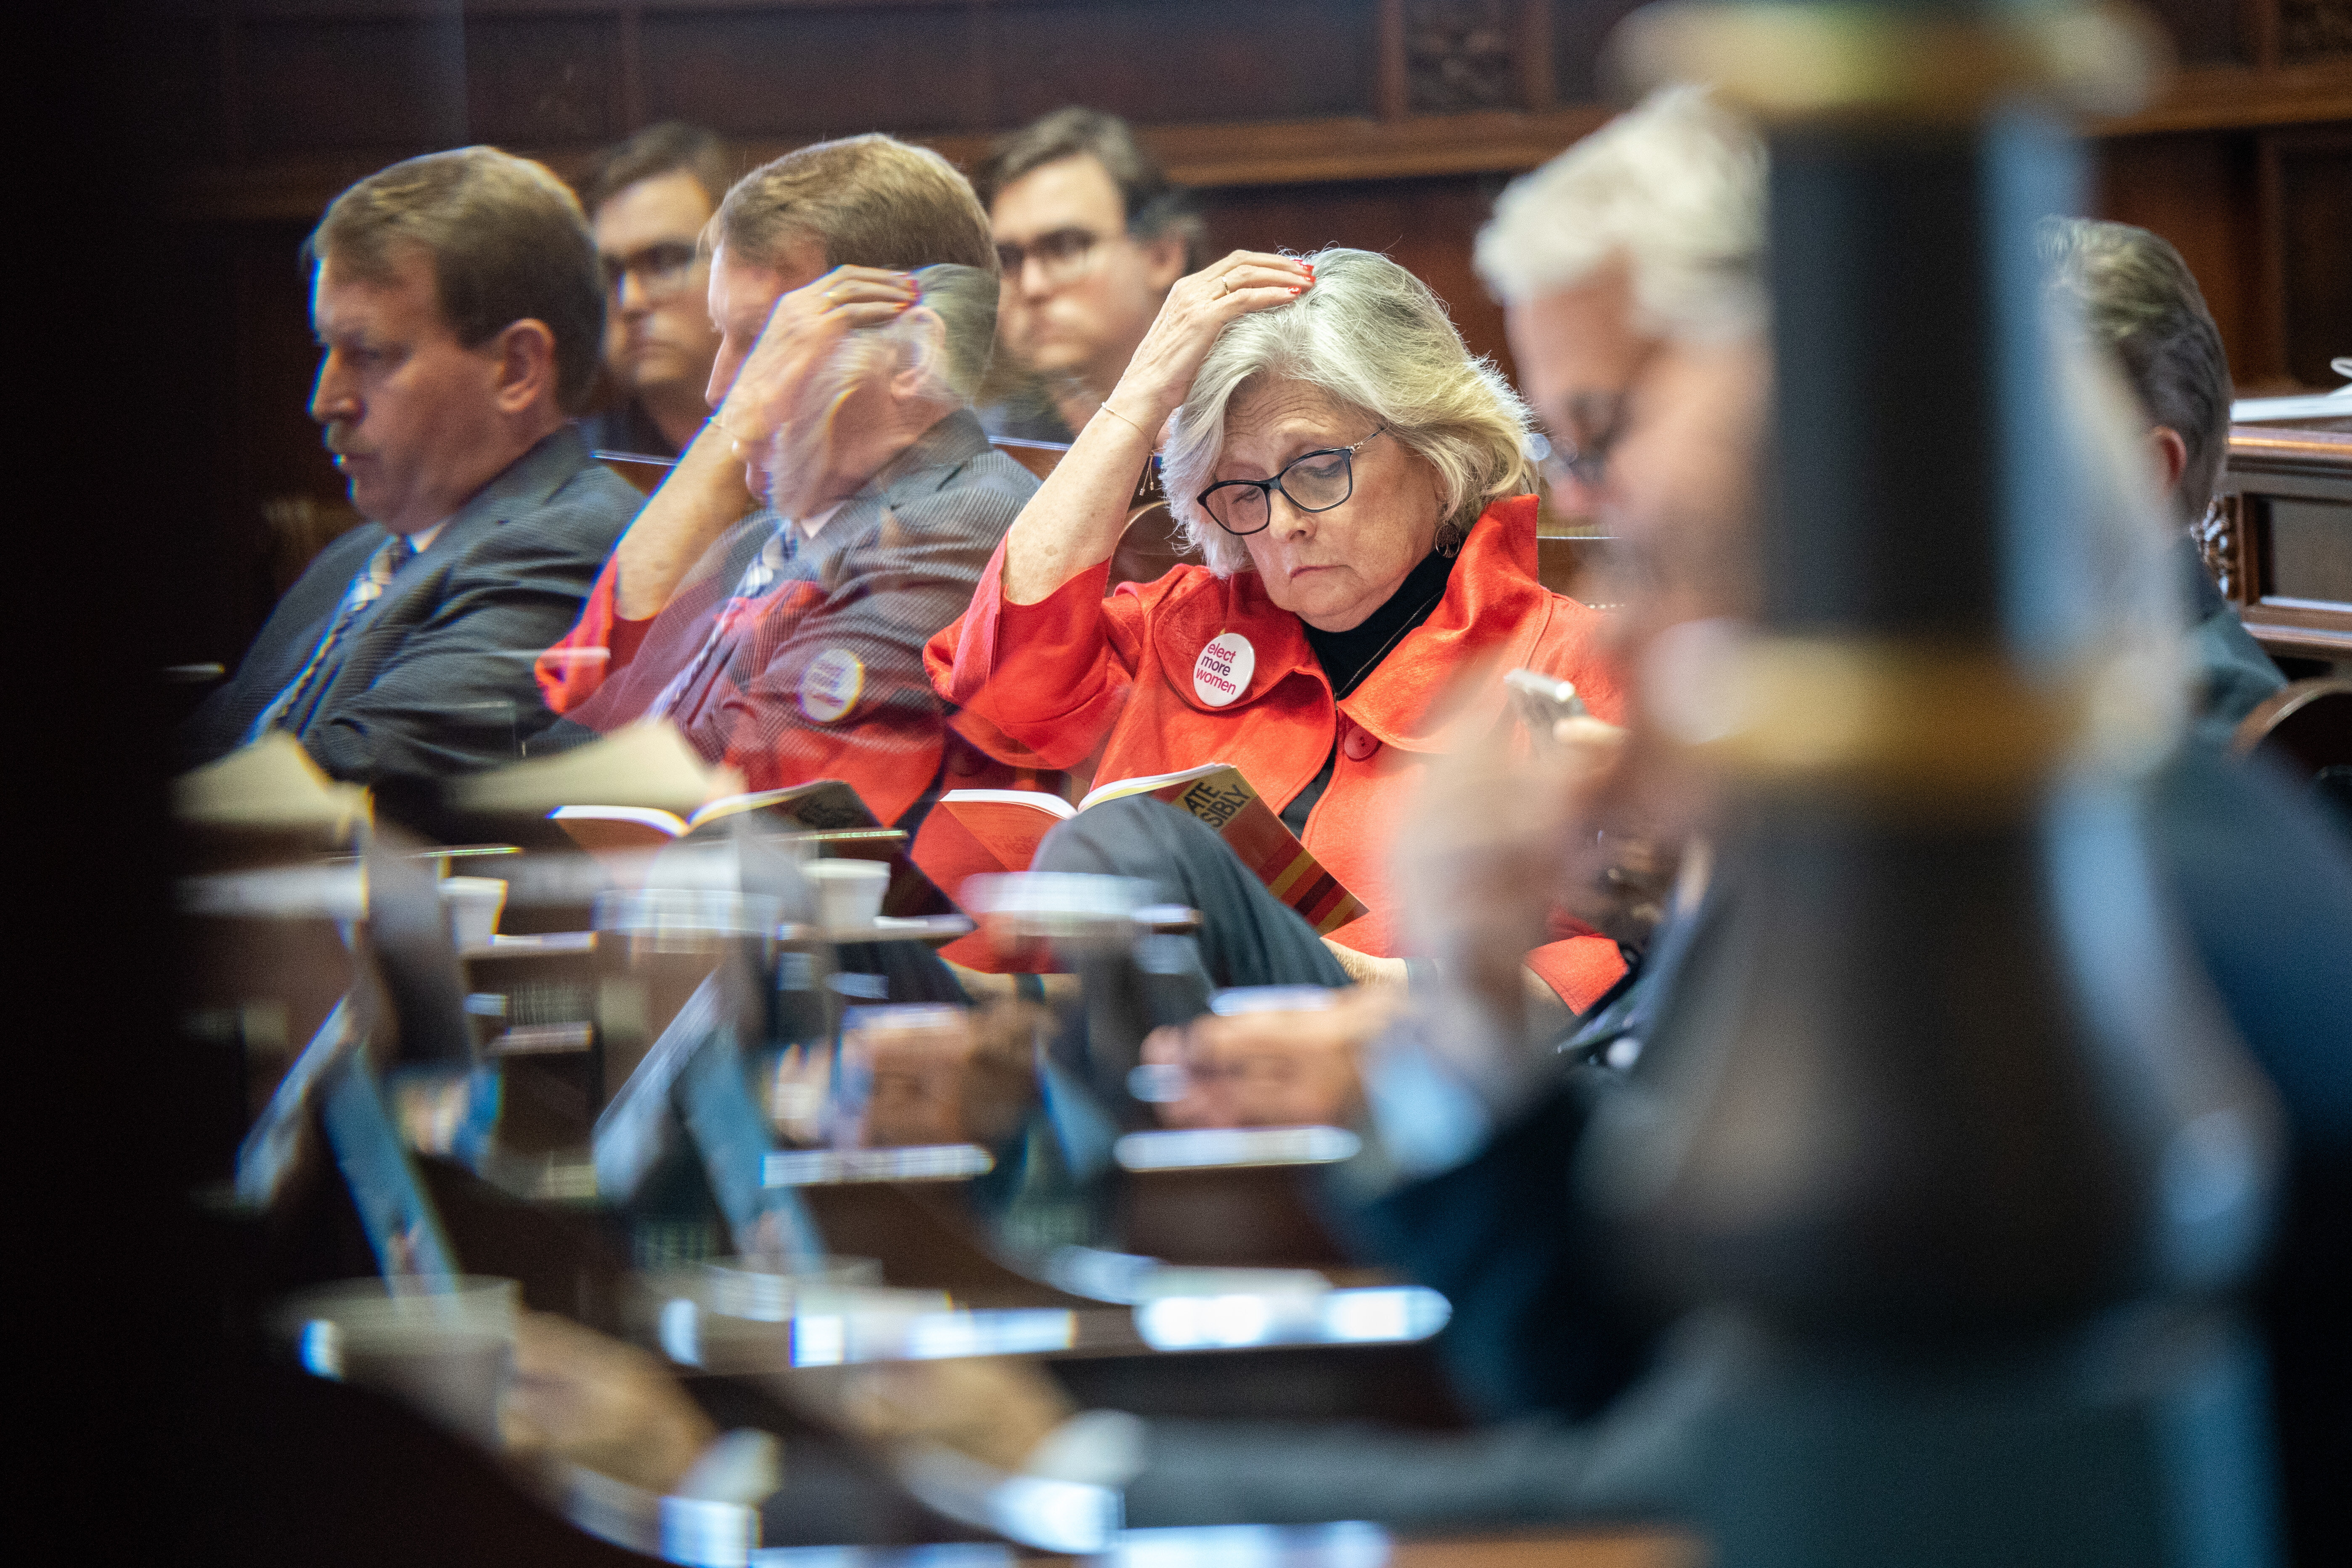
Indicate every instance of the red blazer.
{"type": "Point", "coordinates": [1056, 675]}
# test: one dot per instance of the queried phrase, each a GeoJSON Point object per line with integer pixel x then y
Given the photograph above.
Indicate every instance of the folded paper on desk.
{"type": "Point", "coordinates": [648, 765]}
{"type": "Point", "coordinates": [1010, 823]}
{"type": "Point", "coordinates": [271, 785]}
{"type": "Point", "coordinates": [262, 804]}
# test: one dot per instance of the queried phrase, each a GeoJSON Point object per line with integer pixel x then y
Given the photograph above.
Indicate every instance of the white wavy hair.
{"type": "Point", "coordinates": [1371, 336]}
{"type": "Point", "coordinates": [1675, 185]}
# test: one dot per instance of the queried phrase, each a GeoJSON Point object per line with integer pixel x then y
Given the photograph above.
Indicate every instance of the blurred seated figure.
{"type": "Point", "coordinates": [1091, 234]}
{"type": "Point", "coordinates": [2139, 301]}
{"type": "Point", "coordinates": [853, 285]}
{"type": "Point", "coordinates": [455, 299]}
{"type": "Point", "coordinates": [647, 200]}
{"type": "Point", "coordinates": [1357, 483]}
{"type": "Point", "coordinates": [1630, 268]}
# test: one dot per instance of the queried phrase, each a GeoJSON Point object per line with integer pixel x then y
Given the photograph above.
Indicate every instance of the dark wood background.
{"type": "Point", "coordinates": [1383, 123]}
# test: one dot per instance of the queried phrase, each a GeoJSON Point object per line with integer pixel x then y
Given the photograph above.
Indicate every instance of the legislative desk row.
{"type": "Point", "coordinates": [1199, 1279]}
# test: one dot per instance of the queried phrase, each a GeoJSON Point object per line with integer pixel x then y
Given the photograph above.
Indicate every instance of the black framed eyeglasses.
{"type": "Point", "coordinates": [1062, 254]}
{"type": "Point", "coordinates": [1314, 481]}
{"type": "Point", "coordinates": [661, 269]}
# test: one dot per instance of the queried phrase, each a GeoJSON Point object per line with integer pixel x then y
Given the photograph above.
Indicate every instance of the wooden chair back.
{"type": "Point", "coordinates": [2307, 729]}
{"type": "Point", "coordinates": [1037, 456]}
{"type": "Point", "coordinates": [2307, 726]}
{"type": "Point", "coordinates": [1150, 547]}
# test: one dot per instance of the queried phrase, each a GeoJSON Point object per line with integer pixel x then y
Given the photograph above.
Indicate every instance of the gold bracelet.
{"type": "Point", "coordinates": [1123, 419]}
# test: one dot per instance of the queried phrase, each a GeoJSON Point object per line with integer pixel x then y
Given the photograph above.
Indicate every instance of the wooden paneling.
{"type": "Point", "coordinates": [2314, 186]}
{"type": "Point", "coordinates": [1427, 225]}
{"type": "Point", "coordinates": [313, 84]}
{"type": "Point", "coordinates": [2198, 191]}
{"type": "Point", "coordinates": [1163, 61]}
{"type": "Point", "coordinates": [1579, 29]}
{"type": "Point", "coordinates": [539, 81]}
{"type": "Point", "coordinates": [807, 75]}
{"type": "Point", "coordinates": [2284, 552]}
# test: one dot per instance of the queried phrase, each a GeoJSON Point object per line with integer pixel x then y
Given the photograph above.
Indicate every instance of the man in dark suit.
{"type": "Point", "coordinates": [458, 301]}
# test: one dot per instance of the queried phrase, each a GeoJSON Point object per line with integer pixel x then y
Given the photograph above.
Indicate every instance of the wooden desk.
{"type": "Point", "coordinates": [2280, 544]}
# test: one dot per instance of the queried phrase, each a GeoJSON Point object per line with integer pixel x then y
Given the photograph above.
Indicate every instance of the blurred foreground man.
{"type": "Point", "coordinates": [456, 301]}
{"type": "Point", "coordinates": [1635, 322]}
{"type": "Point", "coordinates": [1091, 235]}
{"type": "Point", "coordinates": [853, 285]}
{"type": "Point", "coordinates": [647, 200]}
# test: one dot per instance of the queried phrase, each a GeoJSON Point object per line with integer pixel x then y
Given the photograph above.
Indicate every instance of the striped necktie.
{"type": "Point", "coordinates": [757, 579]}
{"type": "Point", "coordinates": [365, 590]}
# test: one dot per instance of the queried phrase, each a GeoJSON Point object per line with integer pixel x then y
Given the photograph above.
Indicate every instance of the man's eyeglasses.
{"type": "Point", "coordinates": [1316, 481]}
{"type": "Point", "coordinates": [1561, 461]}
{"type": "Point", "coordinates": [1063, 255]}
{"type": "Point", "coordinates": [661, 269]}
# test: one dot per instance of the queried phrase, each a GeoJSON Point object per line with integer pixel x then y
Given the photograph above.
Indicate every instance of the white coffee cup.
{"type": "Point", "coordinates": [848, 892]}
{"type": "Point", "coordinates": [473, 904]}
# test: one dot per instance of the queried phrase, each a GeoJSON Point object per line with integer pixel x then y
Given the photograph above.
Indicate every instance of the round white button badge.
{"type": "Point", "coordinates": [832, 684]}
{"type": "Point", "coordinates": [1222, 671]}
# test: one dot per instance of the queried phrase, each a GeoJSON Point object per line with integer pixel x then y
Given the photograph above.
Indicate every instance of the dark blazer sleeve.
{"type": "Point", "coordinates": [278, 651]}
{"type": "Point", "coordinates": [453, 690]}
{"type": "Point", "coordinates": [1541, 1324]}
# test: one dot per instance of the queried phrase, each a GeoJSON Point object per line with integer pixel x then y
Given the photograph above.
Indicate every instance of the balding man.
{"type": "Point", "coordinates": [456, 303]}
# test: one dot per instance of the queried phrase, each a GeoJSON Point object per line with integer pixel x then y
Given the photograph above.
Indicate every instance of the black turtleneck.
{"type": "Point", "coordinates": [1349, 658]}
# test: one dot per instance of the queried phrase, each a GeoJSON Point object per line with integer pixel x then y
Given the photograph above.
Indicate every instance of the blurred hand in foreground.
{"type": "Point", "coordinates": [946, 1074]}
{"type": "Point", "coordinates": [993, 1409]}
{"type": "Point", "coordinates": [1282, 1068]}
{"type": "Point", "coordinates": [581, 1398]}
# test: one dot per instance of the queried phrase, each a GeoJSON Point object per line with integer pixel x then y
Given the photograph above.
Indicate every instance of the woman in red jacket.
{"type": "Point", "coordinates": [1356, 480]}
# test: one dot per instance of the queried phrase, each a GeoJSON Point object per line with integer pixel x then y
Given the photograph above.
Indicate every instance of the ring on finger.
{"type": "Point", "coordinates": [1224, 285]}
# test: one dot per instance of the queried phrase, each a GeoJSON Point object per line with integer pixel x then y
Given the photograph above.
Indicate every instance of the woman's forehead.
{"type": "Point", "coordinates": [1271, 419]}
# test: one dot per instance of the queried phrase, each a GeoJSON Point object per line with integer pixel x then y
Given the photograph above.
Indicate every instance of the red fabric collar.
{"type": "Point", "coordinates": [1491, 618]}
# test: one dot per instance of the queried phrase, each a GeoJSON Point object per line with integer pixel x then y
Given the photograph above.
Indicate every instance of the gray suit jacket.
{"type": "Point", "coordinates": [435, 678]}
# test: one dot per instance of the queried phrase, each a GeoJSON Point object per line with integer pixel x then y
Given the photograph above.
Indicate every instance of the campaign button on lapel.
{"type": "Point", "coordinates": [832, 684]}
{"type": "Point", "coordinates": [1222, 671]}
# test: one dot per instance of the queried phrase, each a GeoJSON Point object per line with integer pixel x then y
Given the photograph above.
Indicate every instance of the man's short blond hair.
{"type": "Point", "coordinates": [507, 242]}
{"type": "Point", "coordinates": [870, 201]}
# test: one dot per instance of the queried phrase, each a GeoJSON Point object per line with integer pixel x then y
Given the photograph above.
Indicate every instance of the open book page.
{"type": "Point", "coordinates": [833, 807]}
{"type": "Point", "coordinates": [1154, 784]}
{"type": "Point", "coordinates": [597, 828]}
{"type": "Point", "coordinates": [1220, 797]}
{"type": "Point", "coordinates": [1010, 823]}
{"type": "Point", "coordinates": [648, 765]}
{"type": "Point", "coordinates": [727, 805]}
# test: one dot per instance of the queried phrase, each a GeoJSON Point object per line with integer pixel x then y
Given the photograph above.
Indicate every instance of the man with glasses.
{"type": "Point", "coordinates": [647, 200]}
{"type": "Point", "coordinates": [1091, 235]}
